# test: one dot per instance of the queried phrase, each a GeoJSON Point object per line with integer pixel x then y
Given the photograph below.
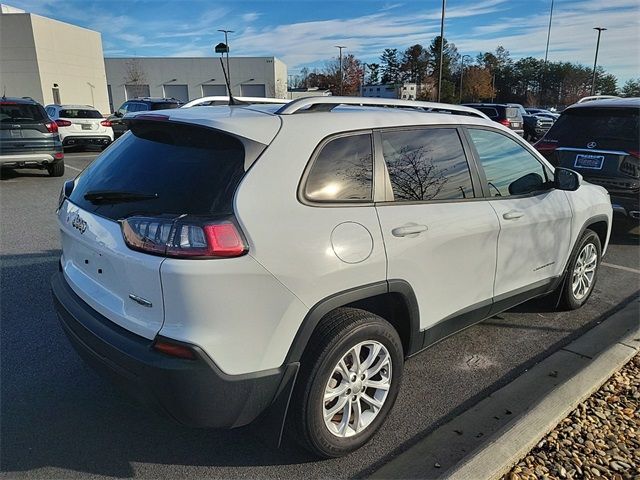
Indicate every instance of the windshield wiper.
{"type": "Point", "coordinates": [114, 196]}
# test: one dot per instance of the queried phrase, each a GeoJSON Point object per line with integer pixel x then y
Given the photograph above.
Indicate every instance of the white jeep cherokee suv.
{"type": "Point", "coordinates": [224, 262]}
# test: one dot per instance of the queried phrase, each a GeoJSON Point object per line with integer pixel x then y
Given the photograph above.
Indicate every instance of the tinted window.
{"type": "Point", "coordinates": [80, 113]}
{"type": "Point", "coordinates": [192, 170]}
{"type": "Point", "coordinates": [164, 105]}
{"type": "Point", "coordinates": [137, 107]}
{"type": "Point", "coordinates": [488, 111]}
{"type": "Point", "coordinates": [510, 169]}
{"type": "Point", "coordinates": [342, 171]}
{"type": "Point", "coordinates": [426, 164]}
{"type": "Point", "coordinates": [610, 128]}
{"type": "Point", "coordinates": [19, 113]}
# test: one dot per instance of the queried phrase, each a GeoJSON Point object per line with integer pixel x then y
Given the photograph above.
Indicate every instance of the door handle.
{"type": "Point", "coordinates": [408, 230]}
{"type": "Point", "coordinates": [512, 215]}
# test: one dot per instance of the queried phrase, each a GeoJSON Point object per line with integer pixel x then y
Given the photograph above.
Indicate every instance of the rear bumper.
{"type": "Point", "coordinates": [626, 205]}
{"type": "Point", "coordinates": [70, 140]}
{"type": "Point", "coordinates": [192, 392]}
{"type": "Point", "coordinates": [31, 159]}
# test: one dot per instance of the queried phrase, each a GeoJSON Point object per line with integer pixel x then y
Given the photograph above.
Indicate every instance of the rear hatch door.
{"type": "Point", "coordinates": [161, 170]}
{"type": "Point", "coordinates": [83, 121]}
{"type": "Point", "coordinates": [23, 128]}
{"type": "Point", "coordinates": [600, 143]}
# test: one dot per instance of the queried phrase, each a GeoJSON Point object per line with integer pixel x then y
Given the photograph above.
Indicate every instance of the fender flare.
{"type": "Point", "coordinates": [345, 297]}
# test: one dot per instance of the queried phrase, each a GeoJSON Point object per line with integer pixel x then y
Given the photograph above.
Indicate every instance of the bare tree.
{"type": "Point", "coordinates": [414, 175]}
{"type": "Point", "coordinates": [134, 73]}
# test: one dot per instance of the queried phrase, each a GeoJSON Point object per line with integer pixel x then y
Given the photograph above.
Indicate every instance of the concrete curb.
{"type": "Point", "coordinates": [488, 439]}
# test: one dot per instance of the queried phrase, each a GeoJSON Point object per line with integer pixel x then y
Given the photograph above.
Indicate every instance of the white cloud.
{"type": "Point", "coordinates": [251, 16]}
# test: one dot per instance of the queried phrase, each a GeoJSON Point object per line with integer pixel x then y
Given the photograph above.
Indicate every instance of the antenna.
{"type": "Point", "coordinates": [232, 101]}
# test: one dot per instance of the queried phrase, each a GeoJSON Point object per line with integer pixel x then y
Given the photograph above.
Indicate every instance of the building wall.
{"type": "Point", "coordinates": [248, 73]}
{"type": "Point", "coordinates": [38, 52]}
{"type": "Point", "coordinates": [71, 57]}
{"type": "Point", "coordinates": [19, 75]}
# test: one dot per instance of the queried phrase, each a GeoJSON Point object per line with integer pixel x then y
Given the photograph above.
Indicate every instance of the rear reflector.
{"type": "Point", "coordinates": [183, 238]}
{"type": "Point", "coordinates": [105, 123]}
{"type": "Point", "coordinates": [58, 155]}
{"type": "Point", "coordinates": [63, 123]}
{"type": "Point", "coordinates": [52, 127]}
{"type": "Point", "coordinates": [173, 349]}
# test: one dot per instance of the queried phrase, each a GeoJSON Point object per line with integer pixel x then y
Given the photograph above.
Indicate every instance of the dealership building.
{"type": "Point", "coordinates": [188, 78]}
{"type": "Point", "coordinates": [56, 62]}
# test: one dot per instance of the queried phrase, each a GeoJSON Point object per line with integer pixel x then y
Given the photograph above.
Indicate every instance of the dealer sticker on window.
{"type": "Point", "coordinates": [593, 162]}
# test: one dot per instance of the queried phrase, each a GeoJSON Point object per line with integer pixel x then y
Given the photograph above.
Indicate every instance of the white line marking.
{"type": "Point", "coordinates": [620, 267]}
{"type": "Point", "coordinates": [73, 168]}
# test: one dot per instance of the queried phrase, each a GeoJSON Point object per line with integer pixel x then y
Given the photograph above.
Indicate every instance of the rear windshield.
{"type": "Point", "coordinates": [513, 112]}
{"type": "Point", "coordinates": [164, 106]}
{"type": "Point", "coordinates": [190, 170]}
{"type": "Point", "coordinates": [80, 113]}
{"type": "Point", "coordinates": [22, 113]}
{"type": "Point", "coordinates": [610, 128]}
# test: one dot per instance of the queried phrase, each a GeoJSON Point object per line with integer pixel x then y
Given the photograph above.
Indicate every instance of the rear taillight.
{"type": "Point", "coordinates": [58, 155]}
{"type": "Point", "coordinates": [173, 349]}
{"type": "Point", "coordinates": [52, 127]}
{"type": "Point", "coordinates": [183, 238]}
{"type": "Point", "coordinates": [504, 122]}
{"type": "Point", "coordinates": [105, 123]}
{"type": "Point", "coordinates": [63, 123]}
{"type": "Point", "coordinates": [634, 153]}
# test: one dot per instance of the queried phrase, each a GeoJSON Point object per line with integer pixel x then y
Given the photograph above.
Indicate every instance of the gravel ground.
{"type": "Point", "coordinates": [599, 439]}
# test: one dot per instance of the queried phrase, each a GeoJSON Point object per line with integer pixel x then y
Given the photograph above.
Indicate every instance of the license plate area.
{"type": "Point", "coordinates": [86, 126]}
{"type": "Point", "coordinates": [515, 124]}
{"type": "Point", "coordinates": [591, 162]}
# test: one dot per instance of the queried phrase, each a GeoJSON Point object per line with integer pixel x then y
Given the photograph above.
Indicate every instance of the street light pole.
{"type": "Point", "coordinates": [340, 47]}
{"type": "Point", "coordinates": [461, 75]}
{"type": "Point", "coordinates": [595, 62]}
{"type": "Point", "coordinates": [441, 46]}
{"type": "Point", "coordinates": [226, 42]}
{"type": "Point", "coordinates": [364, 75]}
{"type": "Point", "coordinates": [546, 52]}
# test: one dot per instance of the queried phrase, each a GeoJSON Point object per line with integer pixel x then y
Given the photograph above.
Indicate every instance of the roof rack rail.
{"type": "Point", "coordinates": [326, 104]}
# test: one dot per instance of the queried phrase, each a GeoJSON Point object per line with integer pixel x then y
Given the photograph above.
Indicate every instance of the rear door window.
{"type": "Point", "coordinates": [488, 111]}
{"type": "Point", "coordinates": [181, 168]}
{"type": "Point", "coordinates": [342, 171]}
{"type": "Point", "coordinates": [426, 164]}
{"type": "Point", "coordinates": [79, 113]}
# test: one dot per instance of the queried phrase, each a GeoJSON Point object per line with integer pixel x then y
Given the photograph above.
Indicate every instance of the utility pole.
{"type": "Point", "coordinates": [364, 76]}
{"type": "Point", "coordinates": [444, 2]}
{"type": "Point", "coordinates": [226, 42]}
{"type": "Point", "coordinates": [340, 47]}
{"type": "Point", "coordinates": [461, 75]}
{"type": "Point", "coordinates": [595, 62]}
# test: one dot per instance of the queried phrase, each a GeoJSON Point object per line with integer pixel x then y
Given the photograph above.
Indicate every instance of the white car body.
{"type": "Point", "coordinates": [454, 262]}
{"type": "Point", "coordinates": [90, 128]}
{"type": "Point", "coordinates": [224, 100]}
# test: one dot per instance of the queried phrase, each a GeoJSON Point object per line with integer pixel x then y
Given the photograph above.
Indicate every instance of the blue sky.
{"type": "Point", "coordinates": [304, 33]}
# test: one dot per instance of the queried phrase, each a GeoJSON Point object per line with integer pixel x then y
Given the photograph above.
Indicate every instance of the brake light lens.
{"type": "Point", "coordinates": [58, 155]}
{"type": "Point", "coordinates": [173, 349]}
{"type": "Point", "coordinates": [52, 127]}
{"type": "Point", "coordinates": [505, 122]}
{"type": "Point", "coordinates": [63, 123]}
{"type": "Point", "coordinates": [183, 238]}
{"type": "Point", "coordinates": [105, 123]}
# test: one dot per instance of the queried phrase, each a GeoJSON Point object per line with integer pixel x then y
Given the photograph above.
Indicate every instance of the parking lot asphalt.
{"type": "Point", "coordinates": [59, 419]}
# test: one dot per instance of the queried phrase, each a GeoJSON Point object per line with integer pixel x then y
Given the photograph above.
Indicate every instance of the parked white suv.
{"type": "Point", "coordinates": [225, 262]}
{"type": "Point", "coordinates": [80, 125]}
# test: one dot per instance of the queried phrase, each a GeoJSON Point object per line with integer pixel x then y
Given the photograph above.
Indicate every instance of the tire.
{"type": "Point", "coordinates": [587, 253]}
{"type": "Point", "coordinates": [338, 334]}
{"type": "Point", "coordinates": [57, 169]}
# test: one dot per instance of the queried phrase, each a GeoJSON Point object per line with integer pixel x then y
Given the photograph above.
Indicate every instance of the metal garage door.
{"type": "Point", "coordinates": [133, 91]}
{"type": "Point", "coordinates": [214, 90]}
{"type": "Point", "coordinates": [179, 92]}
{"type": "Point", "coordinates": [256, 90]}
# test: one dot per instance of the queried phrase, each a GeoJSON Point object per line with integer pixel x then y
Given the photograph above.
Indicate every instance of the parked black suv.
{"type": "Point", "coordinates": [139, 104]}
{"type": "Point", "coordinates": [600, 140]}
{"type": "Point", "coordinates": [534, 126]}
{"type": "Point", "coordinates": [503, 113]}
{"type": "Point", "coordinates": [28, 137]}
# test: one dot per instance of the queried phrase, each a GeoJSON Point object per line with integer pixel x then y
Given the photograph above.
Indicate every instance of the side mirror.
{"type": "Point", "coordinates": [565, 179]}
{"type": "Point", "coordinates": [528, 183]}
{"type": "Point", "coordinates": [118, 113]}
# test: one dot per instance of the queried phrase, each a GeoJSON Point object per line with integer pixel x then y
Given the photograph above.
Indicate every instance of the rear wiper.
{"type": "Point", "coordinates": [114, 196]}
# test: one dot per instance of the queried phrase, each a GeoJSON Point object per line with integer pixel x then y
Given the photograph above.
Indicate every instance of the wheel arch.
{"type": "Point", "coordinates": [600, 225]}
{"type": "Point", "coordinates": [393, 300]}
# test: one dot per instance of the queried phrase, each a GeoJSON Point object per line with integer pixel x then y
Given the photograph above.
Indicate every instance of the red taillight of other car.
{"type": "Point", "coordinates": [105, 123]}
{"type": "Point", "coordinates": [52, 127]}
{"type": "Point", "coordinates": [63, 123]}
{"type": "Point", "coordinates": [504, 122]}
{"type": "Point", "coordinates": [184, 239]}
